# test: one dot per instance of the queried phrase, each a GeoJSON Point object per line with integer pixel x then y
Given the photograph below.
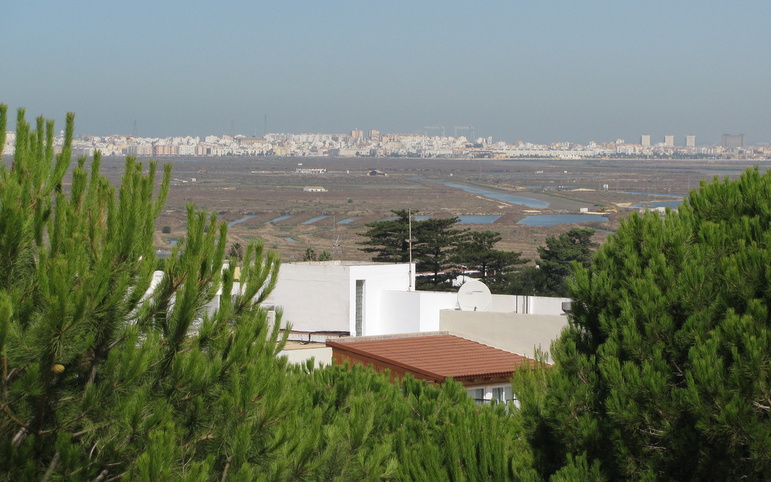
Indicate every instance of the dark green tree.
{"type": "Point", "coordinates": [236, 251]}
{"type": "Point", "coordinates": [310, 254]}
{"type": "Point", "coordinates": [325, 256]}
{"type": "Point", "coordinates": [529, 280]}
{"type": "Point", "coordinates": [663, 372]}
{"type": "Point", "coordinates": [549, 276]}
{"type": "Point", "coordinates": [433, 241]}
{"type": "Point", "coordinates": [476, 251]}
{"type": "Point", "coordinates": [389, 240]}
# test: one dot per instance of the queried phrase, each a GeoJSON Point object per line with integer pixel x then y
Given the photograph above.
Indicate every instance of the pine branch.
{"type": "Point", "coordinates": [15, 420]}
{"type": "Point", "coordinates": [52, 466]}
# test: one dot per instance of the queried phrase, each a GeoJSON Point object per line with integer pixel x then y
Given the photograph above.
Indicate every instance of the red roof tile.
{"type": "Point", "coordinates": [438, 356]}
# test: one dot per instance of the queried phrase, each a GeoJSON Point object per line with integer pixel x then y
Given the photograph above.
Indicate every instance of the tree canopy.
{"type": "Point", "coordinates": [476, 251]}
{"type": "Point", "coordinates": [549, 276]}
{"type": "Point", "coordinates": [663, 372]}
{"type": "Point", "coordinates": [112, 371]}
{"type": "Point", "coordinates": [440, 249]}
{"type": "Point", "coordinates": [432, 244]}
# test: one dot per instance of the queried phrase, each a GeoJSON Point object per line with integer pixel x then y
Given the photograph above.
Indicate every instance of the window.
{"type": "Point", "coordinates": [499, 393]}
{"type": "Point", "coordinates": [502, 394]}
{"type": "Point", "coordinates": [359, 307]}
{"type": "Point", "coordinates": [478, 394]}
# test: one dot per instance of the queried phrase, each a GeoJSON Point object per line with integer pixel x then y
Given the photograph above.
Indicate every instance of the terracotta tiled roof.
{"type": "Point", "coordinates": [437, 356]}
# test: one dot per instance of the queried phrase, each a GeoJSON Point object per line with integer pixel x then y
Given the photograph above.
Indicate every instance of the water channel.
{"type": "Point", "coordinates": [499, 196]}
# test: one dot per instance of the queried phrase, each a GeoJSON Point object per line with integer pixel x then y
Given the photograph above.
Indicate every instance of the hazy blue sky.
{"type": "Point", "coordinates": [515, 70]}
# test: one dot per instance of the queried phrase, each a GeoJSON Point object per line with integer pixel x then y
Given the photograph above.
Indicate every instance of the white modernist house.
{"type": "Point", "coordinates": [336, 296]}
{"type": "Point", "coordinates": [323, 299]}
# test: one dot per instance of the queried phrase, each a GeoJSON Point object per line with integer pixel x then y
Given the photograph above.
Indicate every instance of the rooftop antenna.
{"type": "Point", "coordinates": [336, 249]}
{"type": "Point", "coordinates": [409, 223]}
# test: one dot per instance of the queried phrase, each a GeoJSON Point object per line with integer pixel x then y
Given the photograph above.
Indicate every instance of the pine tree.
{"type": "Point", "coordinates": [476, 251]}
{"type": "Point", "coordinates": [663, 373]}
{"type": "Point", "coordinates": [433, 241]}
{"type": "Point", "coordinates": [549, 276]}
{"type": "Point", "coordinates": [99, 378]}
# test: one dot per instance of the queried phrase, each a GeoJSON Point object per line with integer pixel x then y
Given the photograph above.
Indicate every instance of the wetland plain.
{"type": "Point", "coordinates": [327, 206]}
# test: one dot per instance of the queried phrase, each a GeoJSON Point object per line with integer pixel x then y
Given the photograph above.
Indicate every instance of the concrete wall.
{"type": "Point", "coordinates": [322, 355]}
{"type": "Point", "coordinates": [321, 295]}
{"type": "Point", "coordinates": [412, 311]}
{"type": "Point", "coordinates": [431, 305]}
{"type": "Point", "coordinates": [533, 305]}
{"type": "Point", "coordinates": [541, 305]}
{"type": "Point", "coordinates": [518, 333]}
{"type": "Point", "coordinates": [399, 313]}
{"type": "Point", "coordinates": [378, 278]}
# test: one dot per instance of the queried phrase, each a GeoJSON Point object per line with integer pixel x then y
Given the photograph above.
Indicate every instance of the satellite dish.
{"type": "Point", "coordinates": [474, 296]}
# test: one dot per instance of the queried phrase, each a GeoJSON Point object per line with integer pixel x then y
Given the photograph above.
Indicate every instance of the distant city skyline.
{"type": "Point", "coordinates": [537, 72]}
{"type": "Point", "coordinates": [377, 144]}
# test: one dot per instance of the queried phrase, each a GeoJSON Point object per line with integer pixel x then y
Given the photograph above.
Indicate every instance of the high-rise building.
{"type": "Point", "coordinates": [374, 135]}
{"type": "Point", "coordinates": [730, 141]}
{"type": "Point", "coordinates": [669, 141]}
{"type": "Point", "coordinates": [690, 140]}
{"type": "Point", "coordinates": [645, 140]}
{"type": "Point", "coordinates": [357, 134]}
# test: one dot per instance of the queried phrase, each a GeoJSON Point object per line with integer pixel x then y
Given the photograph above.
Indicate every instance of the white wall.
{"type": "Point", "coordinates": [412, 311]}
{"type": "Point", "coordinates": [321, 295]}
{"type": "Point", "coordinates": [378, 278]}
{"type": "Point", "coordinates": [431, 305]}
{"type": "Point", "coordinates": [322, 355]}
{"type": "Point", "coordinates": [534, 305]}
{"type": "Point", "coordinates": [399, 313]}
{"type": "Point", "coordinates": [313, 297]}
{"type": "Point", "coordinates": [518, 333]}
{"type": "Point", "coordinates": [542, 305]}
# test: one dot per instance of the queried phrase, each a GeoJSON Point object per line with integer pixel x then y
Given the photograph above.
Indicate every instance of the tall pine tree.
{"type": "Point", "coordinates": [476, 251]}
{"type": "Point", "coordinates": [430, 247]}
{"type": "Point", "coordinates": [663, 372]}
{"type": "Point", "coordinates": [102, 376]}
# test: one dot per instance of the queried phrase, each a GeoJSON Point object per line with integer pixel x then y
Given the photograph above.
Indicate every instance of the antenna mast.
{"type": "Point", "coordinates": [409, 223]}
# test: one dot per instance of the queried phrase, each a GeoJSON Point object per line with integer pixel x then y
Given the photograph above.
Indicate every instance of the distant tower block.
{"type": "Point", "coordinates": [374, 135]}
{"type": "Point", "coordinates": [645, 140]}
{"type": "Point", "coordinates": [690, 140]}
{"type": "Point", "coordinates": [357, 134]}
{"type": "Point", "coordinates": [738, 141]}
{"type": "Point", "coordinates": [669, 141]}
